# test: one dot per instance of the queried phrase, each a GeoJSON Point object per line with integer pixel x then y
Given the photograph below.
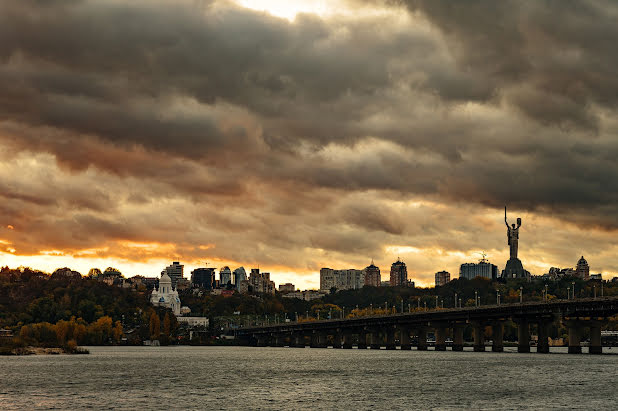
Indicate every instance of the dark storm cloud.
{"type": "Point", "coordinates": [261, 135]}
{"type": "Point", "coordinates": [552, 59]}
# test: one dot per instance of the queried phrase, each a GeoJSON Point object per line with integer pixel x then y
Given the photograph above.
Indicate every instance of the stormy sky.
{"type": "Point", "coordinates": [297, 135]}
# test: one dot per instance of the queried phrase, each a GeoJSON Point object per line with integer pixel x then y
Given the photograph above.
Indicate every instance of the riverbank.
{"type": "Point", "coordinates": [42, 350]}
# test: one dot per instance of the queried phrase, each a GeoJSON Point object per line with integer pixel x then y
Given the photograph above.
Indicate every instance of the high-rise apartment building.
{"type": "Point", "coordinates": [240, 275]}
{"type": "Point", "coordinates": [286, 288]}
{"type": "Point", "coordinates": [442, 277]}
{"type": "Point", "coordinates": [174, 272]}
{"type": "Point", "coordinates": [260, 282]}
{"type": "Point", "coordinates": [341, 279]}
{"type": "Point", "coordinates": [399, 274]}
{"type": "Point", "coordinates": [203, 278]}
{"type": "Point", "coordinates": [372, 275]}
{"type": "Point", "coordinates": [481, 269]}
{"type": "Point", "coordinates": [225, 276]}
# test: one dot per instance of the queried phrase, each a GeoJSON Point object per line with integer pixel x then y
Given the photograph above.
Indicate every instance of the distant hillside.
{"type": "Point", "coordinates": [30, 296]}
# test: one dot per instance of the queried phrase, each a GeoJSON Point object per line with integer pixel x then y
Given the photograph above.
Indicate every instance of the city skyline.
{"type": "Point", "coordinates": [296, 135]}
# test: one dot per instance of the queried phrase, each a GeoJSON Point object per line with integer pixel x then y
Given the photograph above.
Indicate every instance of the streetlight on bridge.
{"type": "Point", "coordinates": [455, 300]}
{"type": "Point", "coordinates": [476, 298]}
{"type": "Point", "coordinates": [546, 293]}
{"type": "Point", "coordinates": [521, 295]}
{"type": "Point", "coordinates": [573, 289]}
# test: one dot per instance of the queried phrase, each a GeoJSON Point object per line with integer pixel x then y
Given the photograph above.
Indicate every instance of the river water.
{"type": "Point", "coordinates": [292, 378]}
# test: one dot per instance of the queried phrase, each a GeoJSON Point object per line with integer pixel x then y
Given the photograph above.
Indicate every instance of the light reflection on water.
{"type": "Point", "coordinates": [292, 378]}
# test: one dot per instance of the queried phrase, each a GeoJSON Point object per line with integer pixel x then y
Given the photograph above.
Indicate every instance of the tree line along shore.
{"type": "Point", "coordinates": [43, 313]}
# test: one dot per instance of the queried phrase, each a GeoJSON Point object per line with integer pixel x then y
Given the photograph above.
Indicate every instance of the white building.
{"type": "Point", "coordinates": [166, 296]}
{"type": "Point", "coordinates": [350, 279]}
{"type": "Point", "coordinates": [194, 321]}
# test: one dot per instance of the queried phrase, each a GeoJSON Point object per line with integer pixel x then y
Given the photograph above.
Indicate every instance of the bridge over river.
{"type": "Point", "coordinates": [404, 329]}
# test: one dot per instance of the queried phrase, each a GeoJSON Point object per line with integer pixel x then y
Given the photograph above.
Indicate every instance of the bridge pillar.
{"type": "Point", "coordinates": [479, 337]}
{"type": "Point", "coordinates": [318, 340]}
{"type": "Point", "coordinates": [347, 340]}
{"type": "Point", "coordinates": [497, 336]}
{"type": "Point", "coordinates": [278, 340]}
{"type": "Point", "coordinates": [542, 345]}
{"type": "Point", "coordinates": [595, 338]}
{"type": "Point", "coordinates": [523, 335]}
{"type": "Point", "coordinates": [422, 339]}
{"type": "Point", "coordinates": [575, 336]}
{"type": "Point", "coordinates": [440, 337]}
{"type": "Point", "coordinates": [458, 332]}
{"type": "Point", "coordinates": [298, 340]}
{"type": "Point", "coordinates": [390, 338]}
{"type": "Point", "coordinates": [375, 343]}
{"type": "Point", "coordinates": [404, 338]}
{"type": "Point", "coordinates": [262, 341]}
{"type": "Point", "coordinates": [337, 339]}
{"type": "Point", "coordinates": [362, 340]}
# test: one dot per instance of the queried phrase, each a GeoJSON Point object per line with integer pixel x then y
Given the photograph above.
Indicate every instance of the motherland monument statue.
{"type": "Point", "coordinates": [514, 268]}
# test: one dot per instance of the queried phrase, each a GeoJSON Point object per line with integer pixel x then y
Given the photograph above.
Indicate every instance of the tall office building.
{"type": "Point", "coordinates": [341, 279]}
{"type": "Point", "coordinates": [240, 275]}
{"type": "Point", "coordinates": [174, 272]}
{"type": "Point", "coordinates": [442, 277]}
{"type": "Point", "coordinates": [260, 282]}
{"type": "Point", "coordinates": [399, 274]}
{"type": "Point", "coordinates": [225, 276]}
{"type": "Point", "coordinates": [203, 278]}
{"type": "Point", "coordinates": [481, 269]}
{"type": "Point", "coordinates": [372, 275]}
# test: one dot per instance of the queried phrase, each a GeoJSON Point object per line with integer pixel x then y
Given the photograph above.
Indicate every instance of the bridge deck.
{"type": "Point", "coordinates": [584, 307]}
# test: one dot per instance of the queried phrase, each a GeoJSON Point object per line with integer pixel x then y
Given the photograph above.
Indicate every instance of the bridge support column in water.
{"type": "Point", "coordinates": [278, 340]}
{"type": "Point", "coordinates": [347, 340]}
{"type": "Point", "coordinates": [318, 340]}
{"type": "Point", "coordinates": [523, 335]}
{"type": "Point", "coordinates": [575, 336]}
{"type": "Point", "coordinates": [297, 340]}
{"type": "Point", "coordinates": [497, 336]}
{"type": "Point", "coordinates": [404, 338]}
{"type": "Point", "coordinates": [479, 336]}
{"type": "Point", "coordinates": [376, 342]}
{"type": "Point", "coordinates": [262, 341]}
{"type": "Point", "coordinates": [390, 338]}
{"type": "Point", "coordinates": [421, 332]}
{"type": "Point", "coordinates": [440, 331]}
{"type": "Point", "coordinates": [337, 339]}
{"type": "Point", "coordinates": [595, 338]}
{"type": "Point", "coordinates": [542, 345]}
{"type": "Point", "coordinates": [458, 332]}
{"type": "Point", "coordinates": [362, 340]}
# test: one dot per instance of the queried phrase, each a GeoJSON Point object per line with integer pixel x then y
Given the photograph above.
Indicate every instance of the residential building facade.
{"type": "Point", "coordinates": [399, 274]}
{"type": "Point", "coordinates": [442, 277]}
{"type": "Point", "coordinates": [372, 275]}
{"type": "Point", "coordinates": [350, 279]}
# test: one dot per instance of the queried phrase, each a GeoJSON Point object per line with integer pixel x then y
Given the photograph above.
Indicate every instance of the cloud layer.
{"type": "Point", "coordinates": [212, 131]}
